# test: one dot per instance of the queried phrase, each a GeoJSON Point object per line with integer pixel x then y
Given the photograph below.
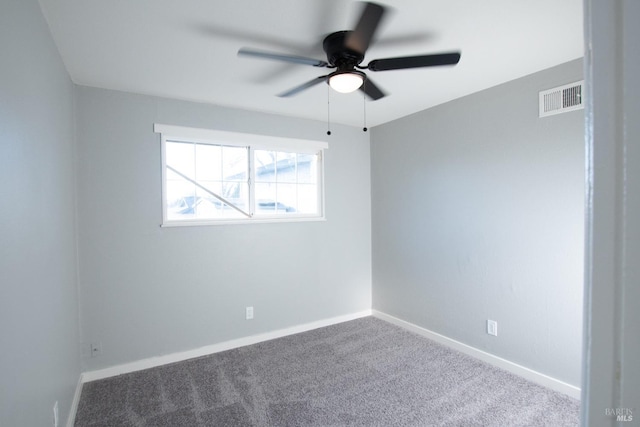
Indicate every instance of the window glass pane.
{"type": "Point", "coordinates": [181, 198]}
{"type": "Point", "coordinates": [285, 167]}
{"type": "Point", "coordinates": [307, 168]}
{"type": "Point", "coordinates": [307, 198]}
{"type": "Point", "coordinates": [213, 186]}
{"type": "Point", "coordinates": [265, 195]}
{"type": "Point", "coordinates": [209, 207]}
{"type": "Point", "coordinates": [229, 213]}
{"type": "Point", "coordinates": [237, 193]}
{"type": "Point", "coordinates": [287, 198]}
{"type": "Point", "coordinates": [172, 176]}
{"type": "Point", "coordinates": [208, 160]}
{"type": "Point", "coordinates": [243, 196]}
{"type": "Point", "coordinates": [265, 165]}
{"type": "Point", "coordinates": [235, 161]}
{"type": "Point", "coordinates": [180, 156]}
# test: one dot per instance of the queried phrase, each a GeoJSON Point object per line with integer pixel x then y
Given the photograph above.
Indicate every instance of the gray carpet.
{"type": "Point", "coordinates": [366, 372]}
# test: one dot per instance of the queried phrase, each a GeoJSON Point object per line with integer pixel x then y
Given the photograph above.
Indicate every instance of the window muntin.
{"type": "Point", "coordinates": [206, 181]}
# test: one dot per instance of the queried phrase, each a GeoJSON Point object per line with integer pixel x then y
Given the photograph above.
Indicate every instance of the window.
{"type": "Point", "coordinates": [215, 177]}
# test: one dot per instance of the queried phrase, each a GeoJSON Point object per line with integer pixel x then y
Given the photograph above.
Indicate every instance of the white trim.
{"type": "Point", "coordinates": [499, 362]}
{"type": "Point", "coordinates": [611, 350]}
{"type": "Point", "coordinates": [253, 220]}
{"type": "Point", "coordinates": [189, 134]}
{"type": "Point", "coordinates": [153, 362]}
{"type": "Point", "coordinates": [71, 419]}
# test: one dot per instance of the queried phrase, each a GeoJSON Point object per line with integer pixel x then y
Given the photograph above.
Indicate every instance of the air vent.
{"type": "Point", "coordinates": [562, 99]}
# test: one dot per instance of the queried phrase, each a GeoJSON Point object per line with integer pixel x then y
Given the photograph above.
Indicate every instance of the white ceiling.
{"type": "Point", "coordinates": [187, 49]}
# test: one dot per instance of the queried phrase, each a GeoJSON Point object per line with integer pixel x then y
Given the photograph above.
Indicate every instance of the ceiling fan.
{"type": "Point", "coordinates": [346, 50]}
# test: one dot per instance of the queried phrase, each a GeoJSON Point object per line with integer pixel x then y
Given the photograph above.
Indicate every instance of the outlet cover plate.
{"type": "Point", "coordinates": [95, 349]}
{"type": "Point", "coordinates": [492, 327]}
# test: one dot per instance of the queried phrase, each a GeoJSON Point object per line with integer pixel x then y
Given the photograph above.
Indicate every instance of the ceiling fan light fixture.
{"type": "Point", "coordinates": [346, 82]}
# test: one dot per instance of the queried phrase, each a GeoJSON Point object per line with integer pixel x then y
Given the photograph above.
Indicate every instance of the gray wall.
{"type": "Point", "coordinates": [39, 351]}
{"type": "Point", "coordinates": [148, 291]}
{"type": "Point", "coordinates": [478, 210]}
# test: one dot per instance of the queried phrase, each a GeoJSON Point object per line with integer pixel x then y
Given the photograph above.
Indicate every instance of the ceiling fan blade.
{"type": "Point", "coordinates": [281, 57]}
{"type": "Point", "coordinates": [302, 87]}
{"type": "Point", "coordinates": [414, 61]}
{"type": "Point", "coordinates": [370, 19]}
{"type": "Point", "coordinates": [371, 90]}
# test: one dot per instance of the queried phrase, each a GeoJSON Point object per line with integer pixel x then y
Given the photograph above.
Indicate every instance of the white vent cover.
{"type": "Point", "coordinates": [562, 99]}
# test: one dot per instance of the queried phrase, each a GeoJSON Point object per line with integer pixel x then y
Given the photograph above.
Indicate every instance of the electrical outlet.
{"type": "Point", "coordinates": [492, 327]}
{"type": "Point", "coordinates": [55, 414]}
{"type": "Point", "coordinates": [249, 313]}
{"type": "Point", "coordinates": [96, 349]}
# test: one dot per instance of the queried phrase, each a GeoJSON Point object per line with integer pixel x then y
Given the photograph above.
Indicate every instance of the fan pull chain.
{"type": "Point", "coordinates": [364, 106]}
{"type": "Point", "coordinates": [328, 110]}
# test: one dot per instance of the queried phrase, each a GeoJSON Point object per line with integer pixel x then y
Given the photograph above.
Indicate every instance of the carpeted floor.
{"type": "Point", "coordinates": [366, 372]}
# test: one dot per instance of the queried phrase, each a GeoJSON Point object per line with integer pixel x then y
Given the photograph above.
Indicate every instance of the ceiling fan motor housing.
{"type": "Point", "coordinates": [346, 50]}
{"type": "Point", "coordinates": [338, 55]}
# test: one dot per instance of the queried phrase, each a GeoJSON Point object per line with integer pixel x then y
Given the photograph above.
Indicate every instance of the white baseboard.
{"type": "Point", "coordinates": [499, 362]}
{"type": "Point", "coordinates": [153, 362]}
{"type": "Point", "coordinates": [71, 419]}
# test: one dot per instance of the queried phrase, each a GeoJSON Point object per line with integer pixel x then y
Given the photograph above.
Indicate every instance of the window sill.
{"type": "Point", "coordinates": [193, 223]}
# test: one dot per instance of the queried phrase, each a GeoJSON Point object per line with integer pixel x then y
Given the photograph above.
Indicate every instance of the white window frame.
{"type": "Point", "coordinates": [252, 142]}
